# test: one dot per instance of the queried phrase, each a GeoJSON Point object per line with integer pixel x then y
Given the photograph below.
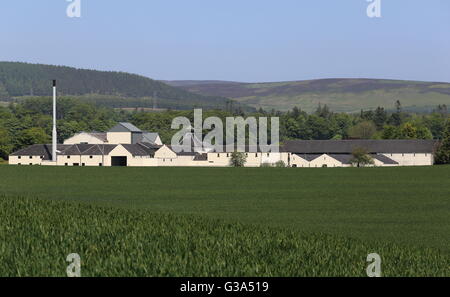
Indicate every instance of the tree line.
{"type": "Point", "coordinates": [30, 122]}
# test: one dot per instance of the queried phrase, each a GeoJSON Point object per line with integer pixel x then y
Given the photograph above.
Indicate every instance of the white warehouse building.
{"type": "Point", "coordinates": [127, 145]}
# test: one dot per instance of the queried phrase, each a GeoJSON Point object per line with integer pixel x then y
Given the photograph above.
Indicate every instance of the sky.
{"type": "Point", "coordinates": [236, 40]}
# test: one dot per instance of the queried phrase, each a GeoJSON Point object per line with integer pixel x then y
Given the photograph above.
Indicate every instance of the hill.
{"type": "Point", "coordinates": [113, 89]}
{"type": "Point", "coordinates": [342, 95]}
{"type": "Point", "coordinates": [188, 83]}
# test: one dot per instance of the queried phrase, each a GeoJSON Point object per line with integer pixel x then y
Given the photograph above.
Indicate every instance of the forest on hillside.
{"type": "Point", "coordinates": [112, 89]}
{"type": "Point", "coordinates": [30, 122]}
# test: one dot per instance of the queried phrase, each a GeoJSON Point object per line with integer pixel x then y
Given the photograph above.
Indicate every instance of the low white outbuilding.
{"type": "Point", "coordinates": [126, 145]}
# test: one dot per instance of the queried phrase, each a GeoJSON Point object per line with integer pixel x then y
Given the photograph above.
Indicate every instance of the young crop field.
{"type": "Point", "coordinates": [36, 236]}
{"type": "Point", "coordinates": [225, 221]}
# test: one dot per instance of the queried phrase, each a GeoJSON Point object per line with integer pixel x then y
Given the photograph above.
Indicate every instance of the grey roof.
{"type": "Point", "coordinates": [309, 157]}
{"type": "Point", "coordinates": [150, 148]}
{"type": "Point", "coordinates": [201, 157]}
{"type": "Point", "coordinates": [96, 149]}
{"type": "Point", "coordinates": [40, 150]}
{"type": "Point", "coordinates": [347, 146]}
{"type": "Point", "coordinates": [135, 150]}
{"type": "Point", "coordinates": [65, 150]}
{"type": "Point", "coordinates": [149, 137]}
{"type": "Point", "coordinates": [88, 149]}
{"type": "Point", "coordinates": [346, 158]}
{"type": "Point", "coordinates": [141, 149]}
{"type": "Point", "coordinates": [100, 135]}
{"type": "Point", "coordinates": [384, 159]}
{"type": "Point", "coordinates": [125, 127]}
{"type": "Point", "coordinates": [71, 150]}
{"type": "Point", "coordinates": [343, 158]}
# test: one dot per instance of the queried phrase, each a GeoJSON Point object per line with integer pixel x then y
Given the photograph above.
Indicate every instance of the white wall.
{"type": "Point", "coordinates": [273, 158]}
{"type": "Point", "coordinates": [412, 159]}
{"type": "Point", "coordinates": [165, 152]}
{"type": "Point", "coordinates": [119, 137]}
{"type": "Point", "coordinates": [325, 161]}
{"type": "Point", "coordinates": [158, 141]}
{"type": "Point", "coordinates": [132, 161]}
{"type": "Point", "coordinates": [83, 138]}
{"type": "Point", "coordinates": [166, 157]}
{"type": "Point", "coordinates": [25, 160]}
{"type": "Point", "coordinates": [297, 161]}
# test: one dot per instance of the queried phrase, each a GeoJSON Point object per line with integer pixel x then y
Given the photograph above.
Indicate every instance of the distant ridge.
{"type": "Point", "coordinates": [340, 94]}
{"type": "Point", "coordinates": [110, 88]}
{"type": "Point", "coordinates": [185, 83]}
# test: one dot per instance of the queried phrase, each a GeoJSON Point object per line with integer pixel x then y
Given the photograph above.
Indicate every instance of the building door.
{"type": "Point", "coordinates": [118, 161]}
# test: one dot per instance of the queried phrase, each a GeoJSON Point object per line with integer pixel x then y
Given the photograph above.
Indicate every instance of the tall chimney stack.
{"type": "Point", "coordinates": [54, 135]}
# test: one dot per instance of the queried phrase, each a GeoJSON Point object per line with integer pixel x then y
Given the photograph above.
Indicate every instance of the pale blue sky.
{"type": "Point", "coordinates": [240, 40]}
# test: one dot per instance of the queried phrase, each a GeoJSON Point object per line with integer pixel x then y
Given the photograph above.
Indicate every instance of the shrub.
{"type": "Point", "coordinates": [238, 159]}
{"type": "Point", "coordinates": [361, 157]}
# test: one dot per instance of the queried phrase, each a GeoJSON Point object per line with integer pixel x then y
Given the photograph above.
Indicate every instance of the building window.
{"type": "Point", "coordinates": [31, 157]}
{"type": "Point", "coordinates": [19, 164]}
{"type": "Point", "coordinates": [68, 157]}
{"type": "Point", "coordinates": [218, 155]}
{"type": "Point", "coordinates": [20, 157]}
{"type": "Point", "coordinates": [66, 164]}
{"type": "Point", "coordinates": [100, 164]}
{"type": "Point", "coordinates": [268, 155]}
{"type": "Point", "coordinates": [90, 157]}
{"type": "Point", "coordinates": [31, 163]}
{"type": "Point", "coordinates": [228, 155]}
{"type": "Point", "coordinates": [83, 164]}
{"type": "Point", "coordinates": [256, 155]}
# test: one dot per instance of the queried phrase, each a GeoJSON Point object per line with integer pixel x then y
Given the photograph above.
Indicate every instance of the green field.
{"type": "Point", "coordinates": [36, 236]}
{"type": "Point", "coordinates": [225, 221]}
